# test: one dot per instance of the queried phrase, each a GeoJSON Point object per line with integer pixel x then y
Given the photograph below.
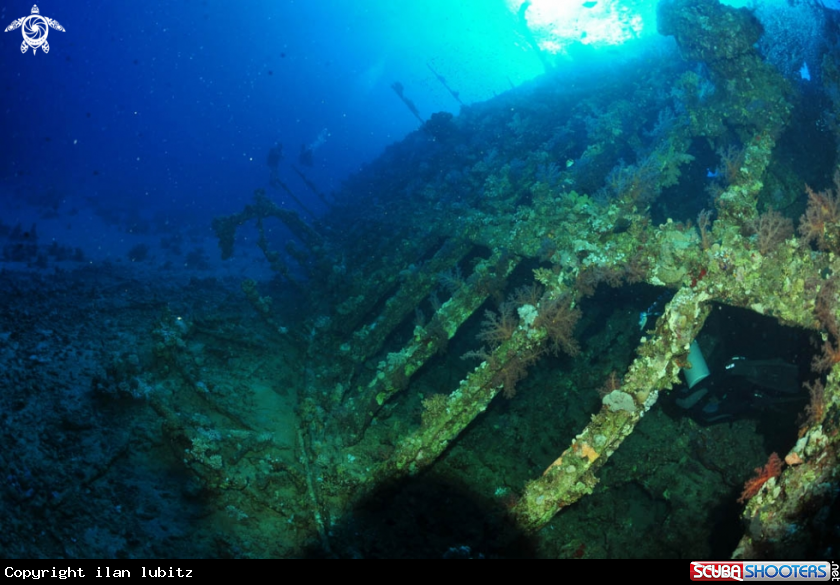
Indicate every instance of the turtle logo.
{"type": "Point", "coordinates": [35, 28]}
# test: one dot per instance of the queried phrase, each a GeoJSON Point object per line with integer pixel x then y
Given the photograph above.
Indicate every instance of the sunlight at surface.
{"type": "Point", "coordinates": [556, 24]}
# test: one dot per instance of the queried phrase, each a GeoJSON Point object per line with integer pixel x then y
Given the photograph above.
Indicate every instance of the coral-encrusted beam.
{"type": "Point", "coordinates": [572, 475]}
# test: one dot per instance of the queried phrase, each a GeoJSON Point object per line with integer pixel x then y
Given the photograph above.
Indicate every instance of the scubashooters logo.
{"type": "Point", "coordinates": [798, 571]}
{"type": "Point", "coordinates": [35, 29]}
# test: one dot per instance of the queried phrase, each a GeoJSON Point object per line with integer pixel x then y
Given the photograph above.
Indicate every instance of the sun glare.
{"type": "Point", "coordinates": [557, 24]}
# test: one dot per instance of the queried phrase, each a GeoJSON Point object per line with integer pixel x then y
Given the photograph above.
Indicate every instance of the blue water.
{"type": "Point", "coordinates": [168, 110]}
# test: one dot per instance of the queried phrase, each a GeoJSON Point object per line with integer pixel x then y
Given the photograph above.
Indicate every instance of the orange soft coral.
{"type": "Point", "coordinates": [773, 468]}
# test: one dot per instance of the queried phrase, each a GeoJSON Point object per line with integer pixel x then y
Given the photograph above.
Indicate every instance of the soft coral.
{"type": "Point", "coordinates": [773, 468]}
{"type": "Point", "coordinates": [821, 221]}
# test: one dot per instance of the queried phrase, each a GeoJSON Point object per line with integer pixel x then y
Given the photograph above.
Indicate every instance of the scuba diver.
{"type": "Point", "coordinates": [275, 155]}
{"type": "Point", "coordinates": [305, 157]}
{"type": "Point", "coordinates": [738, 387]}
{"type": "Point", "coordinates": [728, 387]}
{"type": "Point", "coordinates": [306, 151]}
